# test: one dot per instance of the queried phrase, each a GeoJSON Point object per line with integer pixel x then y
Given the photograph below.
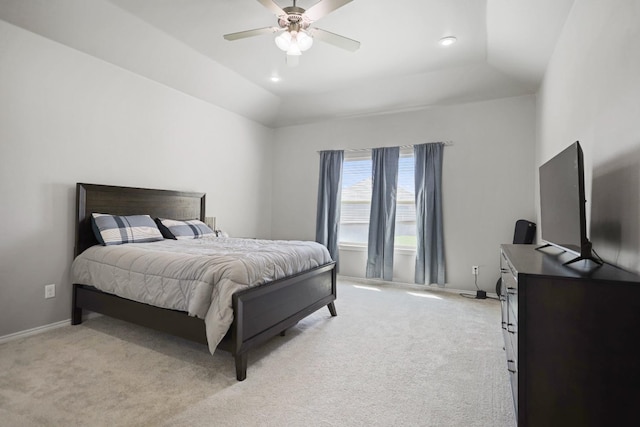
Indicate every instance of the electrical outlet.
{"type": "Point", "coordinates": [50, 291]}
{"type": "Point", "coordinates": [474, 270]}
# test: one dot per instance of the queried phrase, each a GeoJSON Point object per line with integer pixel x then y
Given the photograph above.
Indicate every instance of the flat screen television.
{"type": "Point", "coordinates": [563, 204]}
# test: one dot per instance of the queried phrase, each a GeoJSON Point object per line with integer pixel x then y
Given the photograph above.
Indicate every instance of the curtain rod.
{"type": "Point", "coordinates": [355, 150]}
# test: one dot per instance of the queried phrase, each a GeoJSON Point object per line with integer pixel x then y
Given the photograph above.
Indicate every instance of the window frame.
{"type": "Point", "coordinates": [360, 155]}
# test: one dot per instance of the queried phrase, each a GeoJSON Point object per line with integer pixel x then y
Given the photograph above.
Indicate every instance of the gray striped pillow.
{"type": "Point", "coordinates": [191, 229]}
{"type": "Point", "coordinates": [116, 230]}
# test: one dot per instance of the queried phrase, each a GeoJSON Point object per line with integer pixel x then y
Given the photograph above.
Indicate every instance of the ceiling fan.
{"type": "Point", "coordinates": [294, 24]}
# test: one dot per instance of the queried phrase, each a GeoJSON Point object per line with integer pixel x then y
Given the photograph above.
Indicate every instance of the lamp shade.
{"type": "Point", "coordinates": [294, 49]}
{"type": "Point", "coordinates": [283, 41]}
{"type": "Point", "coordinates": [305, 41]}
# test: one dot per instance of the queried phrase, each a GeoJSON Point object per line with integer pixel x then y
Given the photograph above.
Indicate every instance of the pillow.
{"type": "Point", "coordinates": [191, 229]}
{"type": "Point", "coordinates": [116, 230]}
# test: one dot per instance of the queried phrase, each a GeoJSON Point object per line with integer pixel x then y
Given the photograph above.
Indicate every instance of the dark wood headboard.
{"type": "Point", "coordinates": [92, 198]}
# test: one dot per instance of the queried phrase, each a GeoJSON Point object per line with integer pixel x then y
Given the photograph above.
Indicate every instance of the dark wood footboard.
{"type": "Point", "coordinates": [266, 311]}
{"type": "Point", "coordinates": [260, 313]}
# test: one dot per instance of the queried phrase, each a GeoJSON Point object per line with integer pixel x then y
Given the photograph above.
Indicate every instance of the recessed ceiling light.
{"type": "Point", "coordinates": [447, 41]}
{"type": "Point", "coordinates": [275, 79]}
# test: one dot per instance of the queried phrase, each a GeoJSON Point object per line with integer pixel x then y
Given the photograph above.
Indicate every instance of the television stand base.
{"type": "Point", "coordinates": [589, 258]}
{"type": "Point", "coordinates": [548, 245]}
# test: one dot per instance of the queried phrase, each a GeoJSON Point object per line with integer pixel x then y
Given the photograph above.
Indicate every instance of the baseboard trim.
{"type": "Point", "coordinates": [413, 287]}
{"type": "Point", "coordinates": [42, 329]}
{"type": "Point", "coordinates": [403, 285]}
{"type": "Point", "coordinates": [34, 331]}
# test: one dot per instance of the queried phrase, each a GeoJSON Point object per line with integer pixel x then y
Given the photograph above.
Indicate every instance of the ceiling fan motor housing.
{"type": "Point", "coordinates": [294, 20]}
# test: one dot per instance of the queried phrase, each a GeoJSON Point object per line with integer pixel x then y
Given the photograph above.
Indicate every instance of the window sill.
{"type": "Point", "coordinates": [355, 247]}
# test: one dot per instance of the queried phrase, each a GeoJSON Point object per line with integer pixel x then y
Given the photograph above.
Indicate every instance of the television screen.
{"type": "Point", "coordinates": [562, 199]}
{"type": "Point", "coordinates": [562, 202]}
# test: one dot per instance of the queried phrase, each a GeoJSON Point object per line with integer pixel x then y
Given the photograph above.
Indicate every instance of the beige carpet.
{"type": "Point", "coordinates": [393, 357]}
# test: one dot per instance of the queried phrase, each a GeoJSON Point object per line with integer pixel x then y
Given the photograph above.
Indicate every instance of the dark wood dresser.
{"type": "Point", "coordinates": [570, 334]}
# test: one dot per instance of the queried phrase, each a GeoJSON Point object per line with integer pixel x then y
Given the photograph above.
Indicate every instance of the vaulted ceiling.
{"type": "Point", "coordinates": [502, 49]}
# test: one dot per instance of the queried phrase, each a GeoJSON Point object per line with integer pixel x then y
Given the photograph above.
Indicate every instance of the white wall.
{"type": "Point", "coordinates": [487, 179]}
{"type": "Point", "coordinates": [104, 30]}
{"type": "Point", "coordinates": [67, 117]}
{"type": "Point", "coordinates": [591, 94]}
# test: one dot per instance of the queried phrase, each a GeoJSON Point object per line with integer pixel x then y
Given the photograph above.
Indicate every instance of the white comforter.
{"type": "Point", "coordinates": [197, 276]}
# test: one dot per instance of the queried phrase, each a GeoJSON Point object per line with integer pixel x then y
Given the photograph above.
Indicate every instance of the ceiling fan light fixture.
{"type": "Point", "coordinates": [283, 41]}
{"type": "Point", "coordinates": [294, 50]}
{"type": "Point", "coordinates": [294, 42]}
{"type": "Point", "coordinates": [292, 60]}
{"type": "Point", "coordinates": [305, 41]}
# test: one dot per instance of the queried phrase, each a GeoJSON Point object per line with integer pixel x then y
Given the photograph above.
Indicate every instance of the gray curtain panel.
{"type": "Point", "coordinates": [430, 266]}
{"type": "Point", "coordinates": [329, 191]}
{"type": "Point", "coordinates": [382, 221]}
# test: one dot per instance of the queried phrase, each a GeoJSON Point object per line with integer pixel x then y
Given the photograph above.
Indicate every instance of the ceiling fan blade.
{"type": "Point", "coordinates": [269, 4]}
{"type": "Point", "coordinates": [251, 33]}
{"type": "Point", "coordinates": [323, 8]}
{"type": "Point", "coordinates": [335, 39]}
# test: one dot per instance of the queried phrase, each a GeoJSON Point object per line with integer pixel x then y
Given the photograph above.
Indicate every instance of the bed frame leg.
{"type": "Point", "coordinates": [332, 309]}
{"type": "Point", "coordinates": [76, 312]}
{"type": "Point", "coordinates": [76, 316]}
{"type": "Point", "coordinates": [241, 366]}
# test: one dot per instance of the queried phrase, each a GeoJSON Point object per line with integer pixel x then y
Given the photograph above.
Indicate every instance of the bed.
{"type": "Point", "coordinates": [259, 312]}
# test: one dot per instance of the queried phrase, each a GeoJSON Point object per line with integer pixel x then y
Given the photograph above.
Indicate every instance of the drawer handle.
{"type": "Point", "coordinates": [513, 371]}
{"type": "Point", "coordinates": [511, 325]}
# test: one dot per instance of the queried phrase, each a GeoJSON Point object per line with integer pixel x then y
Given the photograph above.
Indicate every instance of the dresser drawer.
{"type": "Point", "coordinates": [509, 296]}
{"type": "Point", "coordinates": [512, 303]}
{"type": "Point", "coordinates": [513, 379]}
{"type": "Point", "coordinates": [504, 311]}
{"type": "Point", "coordinates": [512, 338]}
{"type": "Point", "coordinates": [511, 349]}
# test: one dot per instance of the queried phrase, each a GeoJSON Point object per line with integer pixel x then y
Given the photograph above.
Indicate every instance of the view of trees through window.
{"type": "Point", "coordinates": [357, 183]}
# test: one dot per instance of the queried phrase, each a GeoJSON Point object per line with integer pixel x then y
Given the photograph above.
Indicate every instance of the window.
{"type": "Point", "coordinates": [406, 204]}
{"type": "Point", "coordinates": [356, 199]}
